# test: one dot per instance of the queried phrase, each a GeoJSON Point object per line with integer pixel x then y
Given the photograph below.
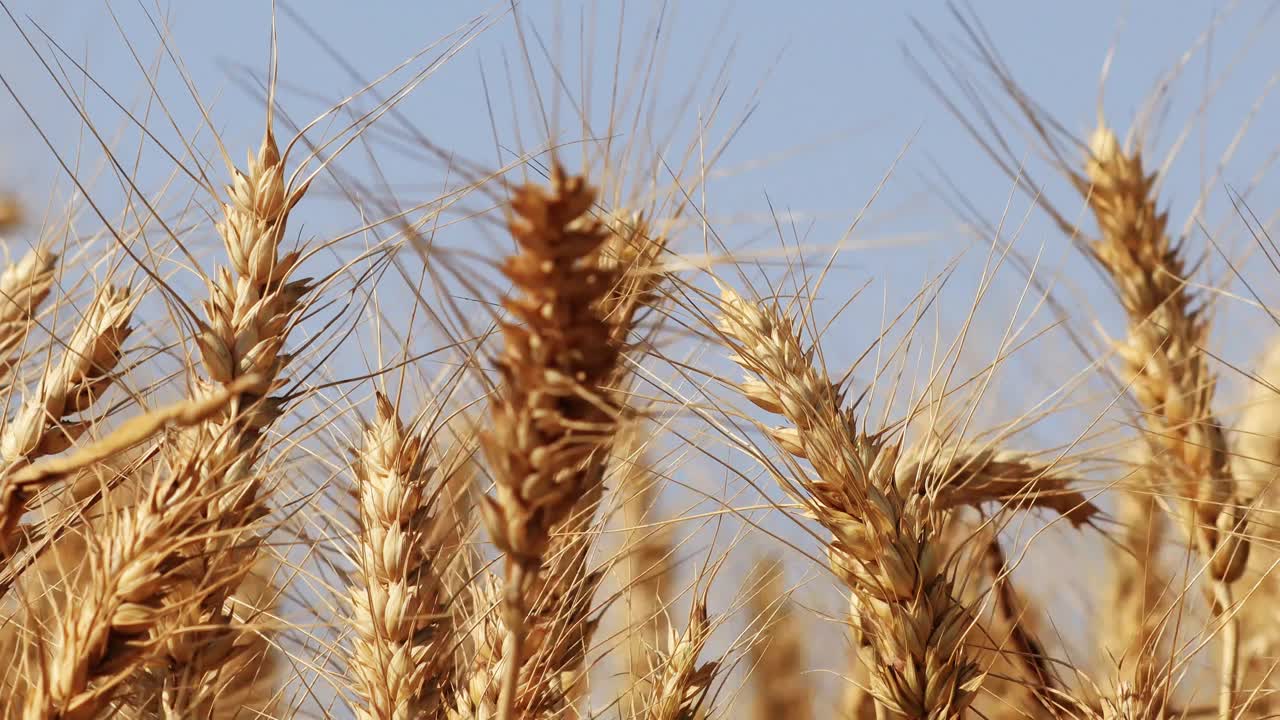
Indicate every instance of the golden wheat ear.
{"type": "Point", "coordinates": [884, 542]}
{"type": "Point", "coordinates": [250, 309]}
{"type": "Point", "coordinates": [24, 285]}
{"type": "Point", "coordinates": [403, 644]}
{"type": "Point", "coordinates": [553, 421]}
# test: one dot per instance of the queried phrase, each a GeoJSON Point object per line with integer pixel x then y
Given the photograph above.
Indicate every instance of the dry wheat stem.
{"type": "Point", "coordinates": [781, 689]}
{"type": "Point", "coordinates": [648, 552]}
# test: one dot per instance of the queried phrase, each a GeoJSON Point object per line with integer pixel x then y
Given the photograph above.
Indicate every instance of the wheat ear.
{"type": "Point", "coordinates": [681, 684]}
{"type": "Point", "coordinates": [24, 285]}
{"type": "Point", "coordinates": [44, 424]}
{"type": "Point", "coordinates": [973, 476]}
{"type": "Point", "coordinates": [248, 315]}
{"type": "Point", "coordinates": [403, 644]}
{"type": "Point", "coordinates": [1171, 380]}
{"type": "Point", "coordinates": [902, 601]}
{"type": "Point", "coordinates": [554, 415]}
{"type": "Point", "coordinates": [103, 638]}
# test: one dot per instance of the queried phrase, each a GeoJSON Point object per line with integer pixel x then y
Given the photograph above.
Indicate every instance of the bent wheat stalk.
{"type": "Point", "coordinates": [43, 426]}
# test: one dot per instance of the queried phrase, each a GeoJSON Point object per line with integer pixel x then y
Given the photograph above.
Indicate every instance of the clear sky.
{"type": "Point", "coordinates": [831, 97]}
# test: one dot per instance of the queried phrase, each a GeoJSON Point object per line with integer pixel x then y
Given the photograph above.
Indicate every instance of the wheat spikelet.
{"type": "Point", "coordinates": [402, 656]}
{"type": "Point", "coordinates": [23, 286]}
{"type": "Point", "coordinates": [912, 625]}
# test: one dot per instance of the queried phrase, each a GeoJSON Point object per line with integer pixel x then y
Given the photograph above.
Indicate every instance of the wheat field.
{"type": "Point", "coordinates": [346, 421]}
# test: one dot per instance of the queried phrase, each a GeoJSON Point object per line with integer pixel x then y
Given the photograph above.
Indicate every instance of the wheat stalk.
{"type": "Point", "coordinates": [648, 553]}
{"type": "Point", "coordinates": [1131, 632]}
